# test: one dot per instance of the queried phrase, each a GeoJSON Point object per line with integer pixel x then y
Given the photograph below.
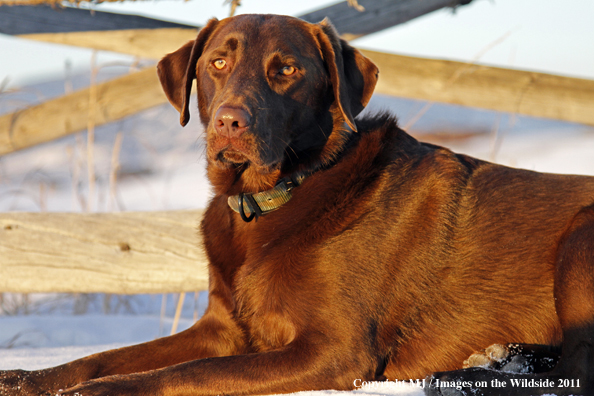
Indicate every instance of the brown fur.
{"type": "Point", "coordinates": [395, 259]}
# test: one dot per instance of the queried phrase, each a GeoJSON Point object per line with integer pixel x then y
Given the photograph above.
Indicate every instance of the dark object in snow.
{"type": "Point", "coordinates": [369, 256]}
{"type": "Point", "coordinates": [516, 358]}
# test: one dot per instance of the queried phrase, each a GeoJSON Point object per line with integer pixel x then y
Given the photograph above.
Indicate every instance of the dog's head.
{"type": "Point", "coordinates": [274, 93]}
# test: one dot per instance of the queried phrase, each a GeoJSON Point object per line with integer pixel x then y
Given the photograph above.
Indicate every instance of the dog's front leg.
{"type": "Point", "coordinates": [215, 334]}
{"type": "Point", "coordinates": [296, 367]}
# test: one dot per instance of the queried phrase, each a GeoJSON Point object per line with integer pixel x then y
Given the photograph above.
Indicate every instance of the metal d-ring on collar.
{"type": "Point", "coordinates": [245, 218]}
{"type": "Point", "coordinates": [250, 206]}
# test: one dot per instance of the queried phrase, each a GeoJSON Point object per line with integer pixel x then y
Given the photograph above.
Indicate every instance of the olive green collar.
{"type": "Point", "coordinates": [259, 204]}
{"type": "Point", "coordinates": [255, 205]}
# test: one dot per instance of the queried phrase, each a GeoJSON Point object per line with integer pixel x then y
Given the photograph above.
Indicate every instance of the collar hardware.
{"type": "Point", "coordinates": [250, 206]}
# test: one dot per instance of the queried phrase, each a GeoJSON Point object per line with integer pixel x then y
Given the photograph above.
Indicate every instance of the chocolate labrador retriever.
{"type": "Point", "coordinates": [344, 251]}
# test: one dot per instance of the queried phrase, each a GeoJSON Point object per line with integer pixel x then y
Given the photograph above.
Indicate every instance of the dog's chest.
{"type": "Point", "coordinates": [273, 297]}
{"type": "Point", "coordinates": [265, 307]}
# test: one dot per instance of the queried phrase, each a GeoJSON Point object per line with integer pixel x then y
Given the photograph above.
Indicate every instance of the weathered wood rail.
{"type": "Point", "coordinates": [377, 15]}
{"type": "Point", "coordinates": [68, 114]}
{"type": "Point", "coordinates": [514, 91]}
{"type": "Point", "coordinates": [123, 253]}
{"type": "Point", "coordinates": [32, 16]}
{"type": "Point", "coordinates": [144, 43]}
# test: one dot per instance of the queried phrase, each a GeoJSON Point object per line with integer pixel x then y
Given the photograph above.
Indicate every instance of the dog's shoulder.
{"type": "Point", "coordinates": [381, 139]}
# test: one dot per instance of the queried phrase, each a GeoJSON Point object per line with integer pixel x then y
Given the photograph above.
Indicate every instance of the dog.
{"type": "Point", "coordinates": [343, 251]}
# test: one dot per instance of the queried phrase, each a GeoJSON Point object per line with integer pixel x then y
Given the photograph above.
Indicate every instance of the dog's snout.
{"type": "Point", "coordinates": [231, 122]}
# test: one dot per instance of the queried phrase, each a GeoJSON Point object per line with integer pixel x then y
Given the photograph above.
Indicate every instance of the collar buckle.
{"type": "Point", "coordinates": [250, 206]}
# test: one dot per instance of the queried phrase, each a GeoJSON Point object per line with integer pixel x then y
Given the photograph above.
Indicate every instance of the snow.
{"type": "Point", "coordinates": [82, 330]}
{"type": "Point", "coordinates": [161, 167]}
{"type": "Point", "coordinates": [39, 358]}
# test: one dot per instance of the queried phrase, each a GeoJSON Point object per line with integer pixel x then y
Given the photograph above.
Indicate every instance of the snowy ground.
{"type": "Point", "coordinates": [161, 166]}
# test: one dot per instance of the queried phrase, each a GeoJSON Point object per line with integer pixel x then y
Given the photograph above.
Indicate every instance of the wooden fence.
{"type": "Point", "coordinates": [124, 253]}
{"type": "Point", "coordinates": [515, 91]}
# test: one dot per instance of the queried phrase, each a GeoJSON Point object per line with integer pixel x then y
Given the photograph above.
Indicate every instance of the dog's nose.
{"type": "Point", "coordinates": [231, 121]}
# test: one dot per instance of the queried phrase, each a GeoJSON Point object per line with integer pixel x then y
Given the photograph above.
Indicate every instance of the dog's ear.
{"type": "Point", "coordinates": [177, 71]}
{"type": "Point", "coordinates": [353, 76]}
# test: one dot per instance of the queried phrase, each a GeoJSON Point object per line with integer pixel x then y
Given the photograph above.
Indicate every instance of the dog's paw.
{"type": "Point", "coordinates": [21, 383]}
{"type": "Point", "coordinates": [120, 385]}
{"type": "Point", "coordinates": [94, 388]}
{"type": "Point", "coordinates": [515, 358]}
{"type": "Point", "coordinates": [490, 357]}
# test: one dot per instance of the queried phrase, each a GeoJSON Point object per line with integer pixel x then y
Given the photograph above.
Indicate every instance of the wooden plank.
{"type": "Point", "coordinates": [378, 14]}
{"type": "Point", "coordinates": [43, 18]}
{"type": "Point", "coordinates": [124, 253]}
{"type": "Point", "coordinates": [17, 20]}
{"type": "Point", "coordinates": [58, 117]}
{"type": "Point", "coordinates": [145, 43]}
{"type": "Point", "coordinates": [155, 42]}
{"type": "Point", "coordinates": [515, 91]}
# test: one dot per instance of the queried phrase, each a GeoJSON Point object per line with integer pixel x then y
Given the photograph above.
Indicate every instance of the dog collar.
{"type": "Point", "coordinates": [255, 205]}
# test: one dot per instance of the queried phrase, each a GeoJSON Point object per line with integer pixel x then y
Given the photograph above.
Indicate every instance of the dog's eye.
{"type": "Point", "coordinates": [219, 64]}
{"type": "Point", "coordinates": [287, 70]}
